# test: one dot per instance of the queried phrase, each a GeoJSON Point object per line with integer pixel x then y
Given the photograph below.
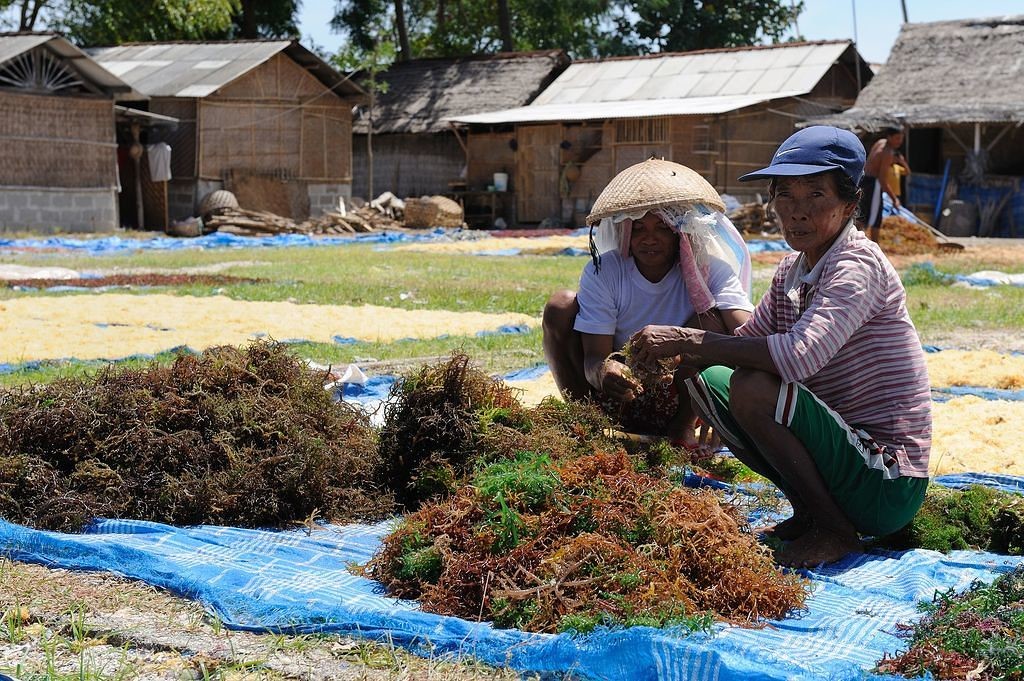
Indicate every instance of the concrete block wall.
{"type": "Point", "coordinates": [181, 199]}
{"type": "Point", "coordinates": [54, 210]}
{"type": "Point", "coordinates": [324, 197]}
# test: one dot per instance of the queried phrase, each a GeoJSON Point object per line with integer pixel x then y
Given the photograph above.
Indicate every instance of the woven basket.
{"type": "Point", "coordinates": [652, 184]}
{"type": "Point", "coordinates": [432, 211]}
{"type": "Point", "coordinates": [217, 200]}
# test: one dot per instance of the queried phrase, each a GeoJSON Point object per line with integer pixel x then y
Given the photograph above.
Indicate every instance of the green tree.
{"type": "Point", "coordinates": [111, 22]}
{"type": "Point", "coordinates": [584, 28]}
{"type": "Point", "coordinates": [682, 25]}
{"type": "Point", "coordinates": [368, 65]}
{"type": "Point", "coordinates": [266, 19]}
{"type": "Point", "coordinates": [436, 28]}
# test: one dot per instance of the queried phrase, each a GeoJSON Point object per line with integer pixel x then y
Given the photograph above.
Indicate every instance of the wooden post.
{"type": "Point", "coordinates": [135, 152]}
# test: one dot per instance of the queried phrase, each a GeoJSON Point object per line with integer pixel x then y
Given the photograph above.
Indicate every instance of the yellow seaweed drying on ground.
{"type": "Point", "coordinates": [984, 368]}
{"type": "Point", "coordinates": [117, 325]}
{"type": "Point", "coordinates": [546, 245]}
{"type": "Point", "coordinates": [971, 434]}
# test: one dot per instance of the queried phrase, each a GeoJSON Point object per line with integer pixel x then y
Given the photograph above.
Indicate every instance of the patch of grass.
{"type": "Point", "coordinates": [936, 308]}
{"type": "Point", "coordinates": [357, 274]}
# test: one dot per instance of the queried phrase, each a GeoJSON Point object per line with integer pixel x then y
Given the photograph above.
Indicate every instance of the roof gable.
{"type": "Point", "coordinates": [15, 46]}
{"type": "Point", "coordinates": [422, 93]}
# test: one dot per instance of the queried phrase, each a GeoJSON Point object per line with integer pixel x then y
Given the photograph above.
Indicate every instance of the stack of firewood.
{"type": "Point", "coordinates": [258, 223]}
{"type": "Point", "coordinates": [750, 217]}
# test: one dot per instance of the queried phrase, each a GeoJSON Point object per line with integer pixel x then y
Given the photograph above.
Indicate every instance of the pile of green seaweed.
{"type": "Point", "coordinates": [245, 437]}
{"type": "Point", "coordinates": [973, 518]}
{"type": "Point", "coordinates": [978, 634]}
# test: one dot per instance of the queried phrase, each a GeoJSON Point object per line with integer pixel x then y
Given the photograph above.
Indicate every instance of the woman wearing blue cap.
{"type": "Point", "coordinates": [824, 390]}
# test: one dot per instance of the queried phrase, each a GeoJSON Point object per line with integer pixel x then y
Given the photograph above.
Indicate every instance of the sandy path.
{"type": "Point", "coordinates": [118, 325]}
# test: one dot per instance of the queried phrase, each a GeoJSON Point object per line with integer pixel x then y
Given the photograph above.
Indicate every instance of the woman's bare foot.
{"type": "Point", "coordinates": [815, 546]}
{"type": "Point", "coordinates": [790, 528]}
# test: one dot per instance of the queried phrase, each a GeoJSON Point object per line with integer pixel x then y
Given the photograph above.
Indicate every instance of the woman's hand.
{"type": "Point", "coordinates": [654, 342]}
{"type": "Point", "coordinates": [617, 381]}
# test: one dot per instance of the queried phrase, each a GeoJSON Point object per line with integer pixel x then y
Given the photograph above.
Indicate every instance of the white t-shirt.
{"type": "Point", "coordinates": [620, 301]}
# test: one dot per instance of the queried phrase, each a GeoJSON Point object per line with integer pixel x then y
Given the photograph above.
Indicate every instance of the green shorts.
{"type": "Point", "coordinates": [863, 477]}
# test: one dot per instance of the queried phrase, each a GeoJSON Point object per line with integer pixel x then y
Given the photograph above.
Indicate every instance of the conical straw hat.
{"type": "Point", "coordinates": [652, 184]}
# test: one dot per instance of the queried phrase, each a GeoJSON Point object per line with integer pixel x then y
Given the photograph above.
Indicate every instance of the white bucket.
{"type": "Point", "coordinates": [500, 182]}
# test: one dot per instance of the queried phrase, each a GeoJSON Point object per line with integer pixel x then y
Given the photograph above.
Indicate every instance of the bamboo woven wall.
{"type": "Point", "coordinates": [489, 153]}
{"type": "Point", "coordinates": [276, 119]}
{"type": "Point", "coordinates": [54, 141]}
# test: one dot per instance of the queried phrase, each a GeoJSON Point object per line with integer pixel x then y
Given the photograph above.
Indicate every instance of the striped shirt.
{"type": "Point", "coordinates": [843, 331]}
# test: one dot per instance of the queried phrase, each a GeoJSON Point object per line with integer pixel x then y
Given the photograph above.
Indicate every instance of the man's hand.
{"type": "Point", "coordinates": [654, 342]}
{"type": "Point", "coordinates": [617, 381]}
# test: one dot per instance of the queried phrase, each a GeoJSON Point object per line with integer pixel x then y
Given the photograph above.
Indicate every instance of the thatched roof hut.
{"type": "Point", "coordinates": [416, 150]}
{"type": "Point", "coordinates": [267, 119]}
{"type": "Point", "coordinates": [946, 72]}
{"type": "Point", "coordinates": [58, 167]}
{"type": "Point", "coordinates": [958, 89]}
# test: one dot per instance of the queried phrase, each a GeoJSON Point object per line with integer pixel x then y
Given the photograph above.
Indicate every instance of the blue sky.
{"type": "Point", "coordinates": [878, 21]}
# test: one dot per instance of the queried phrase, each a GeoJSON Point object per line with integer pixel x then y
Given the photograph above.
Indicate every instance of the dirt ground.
{"type": "Point", "coordinates": [62, 625]}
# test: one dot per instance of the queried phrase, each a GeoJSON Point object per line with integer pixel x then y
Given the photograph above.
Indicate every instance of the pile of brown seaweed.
{"type": "Point", "coordinates": [545, 523]}
{"type": "Point", "coordinates": [547, 544]}
{"type": "Point", "coordinates": [245, 437]}
{"type": "Point", "coordinates": [434, 421]}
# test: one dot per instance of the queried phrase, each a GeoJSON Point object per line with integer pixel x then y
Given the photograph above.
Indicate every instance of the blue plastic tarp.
{"type": "Point", "coordinates": [298, 582]}
{"type": "Point", "coordinates": [114, 244]}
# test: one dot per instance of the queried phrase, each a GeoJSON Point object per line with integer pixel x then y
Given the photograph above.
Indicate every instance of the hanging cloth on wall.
{"type": "Point", "coordinates": [159, 161]}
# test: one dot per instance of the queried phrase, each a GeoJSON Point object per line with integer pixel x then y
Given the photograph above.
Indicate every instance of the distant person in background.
{"type": "Point", "coordinates": [878, 175]}
{"type": "Point", "coordinates": [897, 171]}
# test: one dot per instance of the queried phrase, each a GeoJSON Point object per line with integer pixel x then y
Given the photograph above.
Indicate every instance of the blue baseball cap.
{"type": "Point", "coordinates": [813, 150]}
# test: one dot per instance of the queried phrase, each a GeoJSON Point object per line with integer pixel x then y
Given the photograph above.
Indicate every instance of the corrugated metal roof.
{"type": "Point", "coordinates": [197, 69]}
{"type": "Point", "coordinates": [15, 44]}
{"type": "Point", "coordinates": [790, 68]}
{"type": "Point", "coordinates": [704, 82]}
{"type": "Point", "coordinates": [180, 69]}
{"type": "Point", "coordinates": [637, 108]}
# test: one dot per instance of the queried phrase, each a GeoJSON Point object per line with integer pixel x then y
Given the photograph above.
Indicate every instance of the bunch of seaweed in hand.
{"type": "Point", "coordinates": [237, 436]}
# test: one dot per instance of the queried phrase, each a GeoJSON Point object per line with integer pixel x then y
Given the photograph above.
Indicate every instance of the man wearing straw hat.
{"type": "Point", "coordinates": [824, 390]}
{"type": "Point", "coordinates": [663, 253]}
